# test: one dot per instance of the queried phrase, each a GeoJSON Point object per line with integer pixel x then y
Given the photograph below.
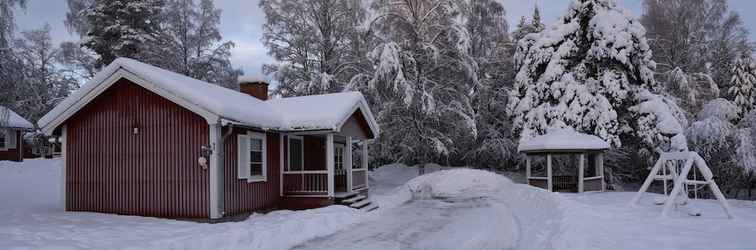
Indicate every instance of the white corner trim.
{"type": "Point", "coordinates": [63, 177]}
{"type": "Point", "coordinates": [281, 167]}
{"type": "Point", "coordinates": [112, 79]}
{"type": "Point", "coordinates": [215, 173]}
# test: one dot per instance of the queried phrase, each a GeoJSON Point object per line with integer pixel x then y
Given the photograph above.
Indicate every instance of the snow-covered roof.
{"type": "Point", "coordinates": [216, 103]}
{"type": "Point", "coordinates": [317, 112]}
{"type": "Point", "coordinates": [565, 139]}
{"type": "Point", "coordinates": [14, 120]}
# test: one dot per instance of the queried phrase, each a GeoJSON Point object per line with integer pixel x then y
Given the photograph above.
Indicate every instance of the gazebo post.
{"type": "Point", "coordinates": [548, 172]}
{"type": "Point", "coordinates": [581, 171]}
{"type": "Point", "coordinates": [527, 168]}
{"type": "Point", "coordinates": [601, 170]}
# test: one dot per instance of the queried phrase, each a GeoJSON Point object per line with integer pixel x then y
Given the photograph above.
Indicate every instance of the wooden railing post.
{"type": "Point", "coordinates": [348, 163]}
{"type": "Point", "coordinates": [330, 163]}
{"type": "Point", "coordinates": [364, 161]}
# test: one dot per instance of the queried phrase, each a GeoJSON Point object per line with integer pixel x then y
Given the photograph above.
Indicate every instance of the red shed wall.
{"type": "Point", "coordinates": [241, 196]}
{"type": "Point", "coordinates": [152, 173]}
{"type": "Point", "coordinates": [14, 154]}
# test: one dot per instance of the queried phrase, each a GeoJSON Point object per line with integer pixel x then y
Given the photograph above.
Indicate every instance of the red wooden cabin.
{"type": "Point", "coordinates": [12, 129]}
{"type": "Point", "coordinates": [140, 140]}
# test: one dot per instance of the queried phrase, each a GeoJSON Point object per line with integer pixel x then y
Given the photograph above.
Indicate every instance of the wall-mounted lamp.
{"type": "Point", "coordinates": [135, 130]}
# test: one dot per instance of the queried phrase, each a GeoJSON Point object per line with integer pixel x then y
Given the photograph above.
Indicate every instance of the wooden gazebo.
{"type": "Point", "coordinates": [588, 149]}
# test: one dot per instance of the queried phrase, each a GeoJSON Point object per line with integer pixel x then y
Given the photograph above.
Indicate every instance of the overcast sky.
{"type": "Point", "coordinates": [242, 22]}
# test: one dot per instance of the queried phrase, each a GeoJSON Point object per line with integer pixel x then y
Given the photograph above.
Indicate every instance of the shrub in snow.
{"type": "Point", "coordinates": [582, 71]}
{"type": "Point", "coordinates": [727, 148]}
{"type": "Point", "coordinates": [714, 129]}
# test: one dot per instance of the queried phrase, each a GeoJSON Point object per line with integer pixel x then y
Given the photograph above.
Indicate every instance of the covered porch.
{"type": "Point", "coordinates": [327, 165]}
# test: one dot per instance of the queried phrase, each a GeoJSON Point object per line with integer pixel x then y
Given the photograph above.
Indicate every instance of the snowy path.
{"type": "Point", "coordinates": [455, 209]}
{"type": "Point", "coordinates": [429, 224]}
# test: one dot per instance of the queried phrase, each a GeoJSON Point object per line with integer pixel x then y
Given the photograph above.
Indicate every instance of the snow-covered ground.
{"type": "Point", "coordinates": [450, 209]}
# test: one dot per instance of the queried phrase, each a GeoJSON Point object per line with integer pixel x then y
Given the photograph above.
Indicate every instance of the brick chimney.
{"type": "Point", "coordinates": [254, 86]}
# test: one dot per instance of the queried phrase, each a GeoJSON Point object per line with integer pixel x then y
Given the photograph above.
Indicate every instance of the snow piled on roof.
{"type": "Point", "coordinates": [317, 111]}
{"type": "Point", "coordinates": [296, 113]}
{"type": "Point", "coordinates": [563, 139]}
{"type": "Point", "coordinates": [13, 119]}
{"type": "Point", "coordinates": [251, 78]}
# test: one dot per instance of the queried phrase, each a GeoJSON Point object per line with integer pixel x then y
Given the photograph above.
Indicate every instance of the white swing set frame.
{"type": "Point", "coordinates": [681, 180]}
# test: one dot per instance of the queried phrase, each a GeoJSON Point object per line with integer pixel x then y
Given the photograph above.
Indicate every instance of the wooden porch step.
{"type": "Point", "coordinates": [360, 204]}
{"type": "Point", "coordinates": [353, 199]}
{"type": "Point", "coordinates": [369, 208]}
{"type": "Point", "coordinates": [344, 195]}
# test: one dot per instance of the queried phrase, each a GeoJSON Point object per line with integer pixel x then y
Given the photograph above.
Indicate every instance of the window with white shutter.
{"type": "Point", "coordinates": [252, 157]}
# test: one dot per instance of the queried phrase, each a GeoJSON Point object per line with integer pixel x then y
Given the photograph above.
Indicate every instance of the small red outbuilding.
{"type": "Point", "coordinates": [12, 128]}
{"type": "Point", "coordinates": [140, 140]}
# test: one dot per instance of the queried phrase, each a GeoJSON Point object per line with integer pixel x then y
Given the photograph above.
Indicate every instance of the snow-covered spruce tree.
{"type": "Point", "coordinates": [583, 71]}
{"type": "Point", "coordinates": [424, 76]}
{"type": "Point", "coordinates": [122, 28]}
{"type": "Point", "coordinates": [311, 41]}
{"type": "Point", "coordinates": [525, 27]}
{"type": "Point", "coordinates": [742, 85]}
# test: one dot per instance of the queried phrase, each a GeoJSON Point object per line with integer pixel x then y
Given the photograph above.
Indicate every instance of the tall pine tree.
{"type": "Point", "coordinates": [122, 29]}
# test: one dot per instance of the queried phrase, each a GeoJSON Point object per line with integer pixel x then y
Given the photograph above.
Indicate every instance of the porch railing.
{"type": "Point", "coordinates": [359, 178]}
{"type": "Point", "coordinates": [305, 182]}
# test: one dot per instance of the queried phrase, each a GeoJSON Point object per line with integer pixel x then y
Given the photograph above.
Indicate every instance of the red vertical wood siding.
{"type": "Point", "coordinates": [14, 154]}
{"type": "Point", "coordinates": [153, 173]}
{"type": "Point", "coordinates": [241, 196]}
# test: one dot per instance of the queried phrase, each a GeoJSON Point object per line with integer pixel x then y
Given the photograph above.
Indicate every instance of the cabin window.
{"type": "Point", "coordinates": [252, 157]}
{"type": "Point", "coordinates": [338, 155]}
{"type": "Point", "coordinates": [3, 139]}
{"type": "Point", "coordinates": [296, 153]}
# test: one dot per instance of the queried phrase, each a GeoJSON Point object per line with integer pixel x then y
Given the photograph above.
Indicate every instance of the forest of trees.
{"type": "Point", "coordinates": [450, 81]}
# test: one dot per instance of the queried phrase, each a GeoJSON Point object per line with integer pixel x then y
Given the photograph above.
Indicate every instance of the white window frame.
{"type": "Point", "coordinates": [6, 139]}
{"type": "Point", "coordinates": [288, 150]}
{"type": "Point", "coordinates": [244, 163]}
